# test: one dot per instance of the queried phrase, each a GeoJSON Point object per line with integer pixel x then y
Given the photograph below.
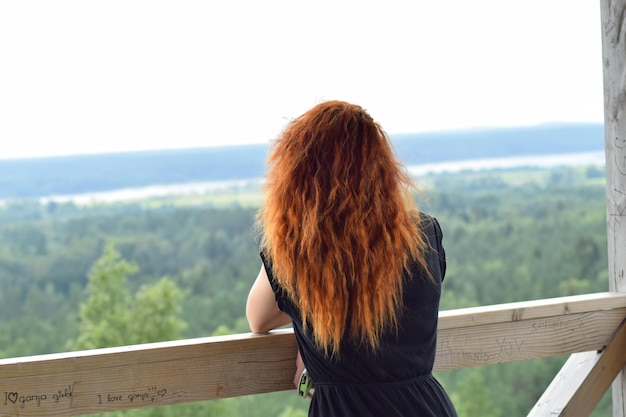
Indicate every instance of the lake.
{"type": "Point", "coordinates": [129, 194]}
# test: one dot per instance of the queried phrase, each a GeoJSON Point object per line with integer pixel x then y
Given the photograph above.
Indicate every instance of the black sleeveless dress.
{"type": "Point", "coordinates": [395, 381]}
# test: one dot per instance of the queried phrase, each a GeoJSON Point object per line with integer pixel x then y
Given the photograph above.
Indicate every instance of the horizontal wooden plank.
{"type": "Point", "coordinates": [527, 310]}
{"type": "Point", "coordinates": [497, 343]}
{"type": "Point", "coordinates": [147, 375]}
{"type": "Point", "coordinates": [156, 374]}
{"type": "Point", "coordinates": [145, 353]}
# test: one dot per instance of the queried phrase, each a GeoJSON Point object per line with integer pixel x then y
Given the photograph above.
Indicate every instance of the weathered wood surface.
{"type": "Point", "coordinates": [146, 375]}
{"type": "Point", "coordinates": [613, 13]}
{"type": "Point", "coordinates": [583, 380]}
{"type": "Point", "coordinates": [157, 374]}
{"type": "Point", "coordinates": [614, 60]}
{"type": "Point", "coordinates": [527, 330]}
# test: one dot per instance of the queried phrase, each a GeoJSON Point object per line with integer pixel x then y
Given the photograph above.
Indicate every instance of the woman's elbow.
{"type": "Point", "coordinates": [256, 325]}
{"type": "Point", "coordinates": [259, 326]}
{"type": "Point", "coordinates": [262, 321]}
{"type": "Point", "coordinates": [257, 329]}
{"type": "Point", "coordinates": [262, 310]}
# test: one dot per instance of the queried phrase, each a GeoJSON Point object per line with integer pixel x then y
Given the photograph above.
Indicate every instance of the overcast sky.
{"type": "Point", "coordinates": [97, 76]}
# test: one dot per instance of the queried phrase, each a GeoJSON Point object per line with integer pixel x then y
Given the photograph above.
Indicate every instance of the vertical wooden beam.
{"type": "Point", "coordinates": [613, 14]}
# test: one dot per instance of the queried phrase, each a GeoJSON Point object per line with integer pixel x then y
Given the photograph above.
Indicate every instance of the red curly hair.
{"type": "Point", "coordinates": [339, 224]}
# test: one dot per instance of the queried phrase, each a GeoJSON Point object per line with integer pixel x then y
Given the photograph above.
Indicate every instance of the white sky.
{"type": "Point", "coordinates": [97, 76]}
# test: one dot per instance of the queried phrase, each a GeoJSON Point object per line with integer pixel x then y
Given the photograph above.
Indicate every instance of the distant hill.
{"type": "Point", "coordinates": [415, 149]}
{"type": "Point", "coordinates": [38, 177]}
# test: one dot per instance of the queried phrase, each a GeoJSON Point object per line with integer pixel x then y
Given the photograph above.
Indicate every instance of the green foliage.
{"type": "Point", "coordinates": [217, 408]}
{"type": "Point", "coordinates": [157, 313]}
{"type": "Point", "coordinates": [112, 317]}
{"type": "Point", "coordinates": [473, 386]}
{"type": "Point", "coordinates": [290, 412]}
{"type": "Point", "coordinates": [105, 316]}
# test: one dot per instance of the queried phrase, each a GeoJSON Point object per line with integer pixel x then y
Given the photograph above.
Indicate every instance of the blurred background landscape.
{"type": "Point", "coordinates": [122, 248]}
{"type": "Point", "coordinates": [133, 137]}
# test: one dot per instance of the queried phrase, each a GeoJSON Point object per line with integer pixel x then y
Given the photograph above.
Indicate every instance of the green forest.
{"type": "Point", "coordinates": [83, 276]}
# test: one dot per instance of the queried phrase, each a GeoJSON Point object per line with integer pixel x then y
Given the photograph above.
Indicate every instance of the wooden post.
{"type": "Point", "coordinates": [613, 14]}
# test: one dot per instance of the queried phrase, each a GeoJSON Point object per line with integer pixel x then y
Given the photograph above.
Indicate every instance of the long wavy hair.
{"type": "Point", "coordinates": [339, 224]}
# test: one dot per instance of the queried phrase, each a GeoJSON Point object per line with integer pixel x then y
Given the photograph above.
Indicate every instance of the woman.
{"type": "Point", "coordinates": [350, 261]}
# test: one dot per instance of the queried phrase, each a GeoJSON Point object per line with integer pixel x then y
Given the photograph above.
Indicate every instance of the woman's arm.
{"type": "Point", "coordinates": [299, 369]}
{"type": "Point", "coordinates": [261, 308]}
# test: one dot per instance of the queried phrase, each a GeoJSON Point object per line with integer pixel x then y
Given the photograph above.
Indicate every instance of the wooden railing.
{"type": "Point", "coordinates": [77, 383]}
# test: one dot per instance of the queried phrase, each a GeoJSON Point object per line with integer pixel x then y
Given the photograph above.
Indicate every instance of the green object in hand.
{"type": "Point", "coordinates": [305, 386]}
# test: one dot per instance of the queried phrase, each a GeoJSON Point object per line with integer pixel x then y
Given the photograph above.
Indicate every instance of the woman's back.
{"type": "Point", "coordinates": [396, 379]}
{"type": "Point", "coordinates": [349, 259]}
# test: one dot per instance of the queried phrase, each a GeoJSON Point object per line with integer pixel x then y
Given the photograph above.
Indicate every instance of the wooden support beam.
{"type": "Point", "coordinates": [614, 60]}
{"type": "Point", "coordinates": [583, 380]}
{"type": "Point", "coordinates": [78, 383]}
{"type": "Point", "coordinates": [613, 13]}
